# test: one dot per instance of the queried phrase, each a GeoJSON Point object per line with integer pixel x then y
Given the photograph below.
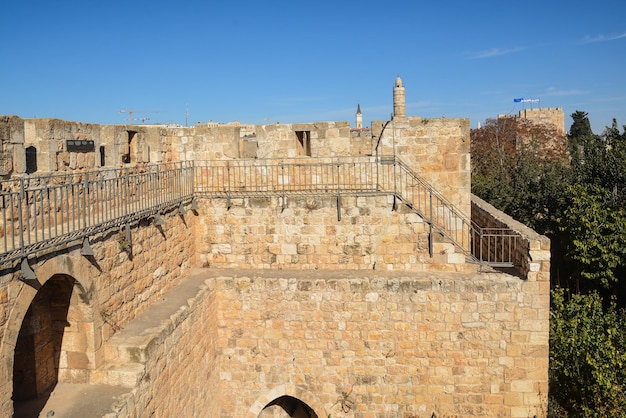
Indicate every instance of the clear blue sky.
{"type": "Point", "coordinates": [295, 61]}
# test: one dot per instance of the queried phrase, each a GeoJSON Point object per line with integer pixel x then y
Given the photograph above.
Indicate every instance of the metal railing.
{"type": "Point", "coordinates": [292, 176]}
{"type": "Point", "coordinates": [39, 213]}
{"type": "Point", "coordinates": [44, 212]}
{"type": "Point", "coordinates": [357, 176]}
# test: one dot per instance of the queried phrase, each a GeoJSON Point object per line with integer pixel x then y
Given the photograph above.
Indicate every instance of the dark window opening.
{"type": "Point", "coordinates": [304, 143]}
{"type": "Point", "coordinates": [130, 149]}
{"type": "Point", "coordinates": [31, 160]}
{"type": "Point", "coordinates": [102, 160]}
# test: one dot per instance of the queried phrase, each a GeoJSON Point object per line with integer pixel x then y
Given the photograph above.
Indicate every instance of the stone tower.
{"type": "Point", "coordinates": [399, 111]}
{"type": "Point", "coordinates": [359, 117]}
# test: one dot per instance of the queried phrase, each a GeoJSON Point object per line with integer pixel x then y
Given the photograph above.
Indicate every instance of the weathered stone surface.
{"type": "Point", "coordinates": [334, 302]}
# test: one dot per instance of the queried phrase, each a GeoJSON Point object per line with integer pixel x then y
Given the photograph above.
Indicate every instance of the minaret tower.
{"type": "Point", "coordinates": [399, 109]}
{"type": "Point", "coordinates": [359, 117]}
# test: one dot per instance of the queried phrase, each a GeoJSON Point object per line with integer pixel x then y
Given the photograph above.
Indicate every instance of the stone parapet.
{"type": "Point", "coordinates": [347, 343]}
{"type": "Point", "coordinates": [531, 251]}
{"type": "Point", "coordinates": [310, 234]}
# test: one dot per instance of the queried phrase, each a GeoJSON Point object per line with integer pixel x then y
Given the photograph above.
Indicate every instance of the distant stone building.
{"type": "Point", "coordinates": [553, 116]}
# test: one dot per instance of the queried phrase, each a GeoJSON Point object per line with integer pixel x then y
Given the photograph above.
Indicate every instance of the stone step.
{"type": "Point", "coordinates": [127, 349]}
{"type": "Point", "coordinates": [443, 247]}
{"type": "Point", "coordinates": [446, 253]}
{"type": "Point", "coordinates": [127, 375]}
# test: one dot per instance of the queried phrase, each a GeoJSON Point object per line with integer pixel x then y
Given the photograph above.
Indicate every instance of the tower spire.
{"type": "Point", "coordinates": [359, 117]}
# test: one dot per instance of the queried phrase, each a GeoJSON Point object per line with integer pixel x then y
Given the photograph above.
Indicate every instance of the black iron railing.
{"type": "Point", "coordinates": [44, 212]}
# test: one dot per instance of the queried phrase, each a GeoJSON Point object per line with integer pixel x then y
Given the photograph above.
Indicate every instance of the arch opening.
{"type": "Point", "coordinates": [287, 407]}
{"type": "Point", "coordinates": [52, 345]}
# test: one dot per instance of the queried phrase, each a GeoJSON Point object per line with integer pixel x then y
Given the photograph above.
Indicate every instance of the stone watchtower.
{"type": "Point", "coordinates": [399, 108]}
{"type": "Point", "coordinates": [359, 117]}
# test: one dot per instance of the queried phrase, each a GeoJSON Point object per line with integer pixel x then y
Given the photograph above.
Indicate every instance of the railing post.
{"type": "Point", "coordinates": [282, 175]}
{"type": "Point", "coordinates": [430, 225]}
{"type": "Point", "coordinates": [480, 245]}
{"type": "Point", "coordinates": [126, 192]}
{"type": "Point", "coordinates": [193, 178]}
{"type": "Point", "coordinates": [228, 182]}
{"type": "Point", "coordinates": [395, 186]}
{"type": "Point", "coordinates": [86, 187]}
{"type": "Point", "coordinates": [338, 192]}
{"type": "Point", "coordinates": [20, 197]}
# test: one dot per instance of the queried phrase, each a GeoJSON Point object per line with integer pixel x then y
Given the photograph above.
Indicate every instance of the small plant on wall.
{"type": "Point", "coordinates": [344, 403]}
{"type": "Point", "coordinates": [122, 242]}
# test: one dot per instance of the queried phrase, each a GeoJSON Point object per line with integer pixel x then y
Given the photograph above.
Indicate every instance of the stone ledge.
{"type": "Point", "coordinates": [127, 351]}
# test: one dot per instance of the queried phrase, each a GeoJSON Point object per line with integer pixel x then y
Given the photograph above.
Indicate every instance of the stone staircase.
{"type": "Point", "coordinates": [126, 352]}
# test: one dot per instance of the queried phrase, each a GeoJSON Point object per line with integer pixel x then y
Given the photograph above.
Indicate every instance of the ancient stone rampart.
{"type": "Point", "coordinates": [106, 291]}
{"type": "Point", "coordinates": [547, 115]}
{"type": "Point", "coordinates": [351, 344]}
{"type": "Point", "coordinates": [348, 336]}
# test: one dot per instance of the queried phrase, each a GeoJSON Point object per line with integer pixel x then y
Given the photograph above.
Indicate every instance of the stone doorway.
{"type": "Point", "coordinates": [53, 342]}
{"type": "Point", "coordinates": [130, 152]}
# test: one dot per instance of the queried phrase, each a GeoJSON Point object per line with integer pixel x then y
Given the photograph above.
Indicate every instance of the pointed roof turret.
{"type": "Point", "coordinates": [358, 109]}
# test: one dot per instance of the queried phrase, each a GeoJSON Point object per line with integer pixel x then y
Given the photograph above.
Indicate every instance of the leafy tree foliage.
{"type": "Point", "coordinates": [587, 357]}
{"type": "Point", "coordinates": [519, 167]}
{"type": "Point", "coordinates": [594, 235]}
{"type": "Point", "coordinates": [571, 189]}
{"type": "Point", "coordinates": [577, 198]}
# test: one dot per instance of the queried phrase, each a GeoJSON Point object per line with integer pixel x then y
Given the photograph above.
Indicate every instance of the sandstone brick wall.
{"type": "Point", "coordinates": [546, 115]}
{"type": "Point", "coordinates": [307, 234]}
{"type": "Point", "coordinates": [352, 344]}
{"type": "Point", "coordinates": [327, 139]}
{"type": "Point", "coordinates": [384, 345]}
{"type": "Point", "coordinates": [436, 149]}
{"type": "Point", "coordinates": [181, 375]}
{"type": "Point", "coordinates": [200, 143]}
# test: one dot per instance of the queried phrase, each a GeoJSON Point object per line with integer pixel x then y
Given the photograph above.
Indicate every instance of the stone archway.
{"type": "Point", "coordinates": [51, 335]}
{"type": "Point", "coordinates": [38, 346]}
{"type": "Point", "coordinates": [287, 401]}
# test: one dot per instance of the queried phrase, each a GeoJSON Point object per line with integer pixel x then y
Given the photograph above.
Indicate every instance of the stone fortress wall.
{"type": "Point", "coordinates": [543, 115]}
{"type": "Point", "coordinates": [546, 115]}
{"type": "Point", "coordinates": [283, 305]}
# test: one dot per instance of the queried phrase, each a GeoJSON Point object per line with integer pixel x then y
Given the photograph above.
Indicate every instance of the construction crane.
{"type": "Point", "coordinates": [132, 111]}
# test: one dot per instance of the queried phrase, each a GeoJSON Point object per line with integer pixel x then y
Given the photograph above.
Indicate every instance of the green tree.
{"type": "Point", "coordinates": [520, 168]}
{"type": "Point", "coordinates": [614, 158]}
{"type": "Point", "coordinates": [587, 357]}
{"type": "Point", "coordinates": [593, 236]}
{"type": "Point", "coordinates": [581, 127]}
{"type": "Point", "coordinates": [579, 135]}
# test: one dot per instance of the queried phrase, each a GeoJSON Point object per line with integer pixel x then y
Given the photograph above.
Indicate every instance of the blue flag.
{"type": "Point", "coordinates": [518, 100]}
